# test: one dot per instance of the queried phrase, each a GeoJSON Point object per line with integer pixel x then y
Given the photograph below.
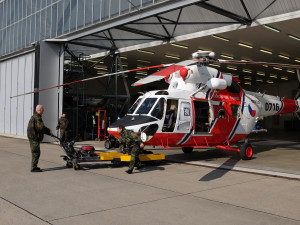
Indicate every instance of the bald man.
{"type": "Point", "coordinates": [35, 133]}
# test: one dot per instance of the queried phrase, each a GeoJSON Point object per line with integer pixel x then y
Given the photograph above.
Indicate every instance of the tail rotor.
{"type": "Point", "coordinates": [298, 93]}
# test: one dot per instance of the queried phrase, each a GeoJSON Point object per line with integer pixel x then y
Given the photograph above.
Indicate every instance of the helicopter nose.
{"type": "Point", "coordinates": [113, 130]}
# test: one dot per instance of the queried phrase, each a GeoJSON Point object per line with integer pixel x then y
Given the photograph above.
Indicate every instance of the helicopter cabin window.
{"type": "Point", "coordinates": [146, 106]}
{"type": "Point", "coordinates": [134, 106]}
{"type": "Point", "coordinates": [158, 110]}
{"type": "Point", "coordinates": [185, 117]}
{"type": "Point", "coordinates": [235, 110]}
{"type": "Point", "coordinates": [219, 111]}
{"type": "Point", "coordinates": [171, 115]}
{"type": "Point", "coordinates": [234, 88]}
{"type": "Point", "coordinates": [201, 116]}
{"type": "Point", "coordinates": [162, 93]}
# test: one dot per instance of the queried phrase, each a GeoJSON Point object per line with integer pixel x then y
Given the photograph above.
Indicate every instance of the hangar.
{"type": "Point", "coordinates": [52, 42]}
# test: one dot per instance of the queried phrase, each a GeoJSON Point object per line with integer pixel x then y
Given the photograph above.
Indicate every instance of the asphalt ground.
{"type": "Point", "coordinates": [181, 190]}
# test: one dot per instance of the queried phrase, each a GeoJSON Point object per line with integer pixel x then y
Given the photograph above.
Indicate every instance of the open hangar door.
{"type": "Point", "coordinates": [239, 30]}
{"type": "Point", "coordinates": [49, 66]}
{"type": "Point", "coordinates": [38, 68]}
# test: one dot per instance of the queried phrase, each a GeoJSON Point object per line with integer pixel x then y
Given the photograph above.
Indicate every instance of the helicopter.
{"type": "Point", "coordinates": [202, 107]}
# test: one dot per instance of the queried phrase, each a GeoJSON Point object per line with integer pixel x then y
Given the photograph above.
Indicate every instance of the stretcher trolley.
{"type": "Point", "coordinates": [88, 154]}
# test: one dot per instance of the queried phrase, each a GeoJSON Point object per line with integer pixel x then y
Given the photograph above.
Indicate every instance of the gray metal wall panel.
{"type": "Point", "coordinates": [28, 99]}
{"type": "Point", "coordinates": [20, 90]}
{"type": "Point", "coordinates": [7, 96]}
{"type": "Point", "coordinates": [16, 77]}
{"type": "Point", "coordinates": [51, 70]}
{"type": "Point", "coordinates": [2, 96]}
{"type": "Point", "coordinates": [14, 101]}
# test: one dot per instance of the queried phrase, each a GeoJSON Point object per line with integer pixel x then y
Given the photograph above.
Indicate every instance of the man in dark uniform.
{"type": "Point", "coordinates": [35, 133]}
{"type": "Point", "coordinates": [131, 140]}
{"type": "Point", "coordinates": [64, 126]}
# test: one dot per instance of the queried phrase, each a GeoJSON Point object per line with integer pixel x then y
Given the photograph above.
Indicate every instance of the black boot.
{"type": "Point", "coordinates": [129, 171]}
{"type": "Point", "coordinates": [139, 167]}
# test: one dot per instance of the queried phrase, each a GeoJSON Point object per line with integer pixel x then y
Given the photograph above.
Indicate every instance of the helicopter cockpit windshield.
{"type": "Point", "coordinates": [146, 106]}
{"type": "Point", "coordinates": [158, 110]}
{"type": "Point", "coordinates": [134, 106]}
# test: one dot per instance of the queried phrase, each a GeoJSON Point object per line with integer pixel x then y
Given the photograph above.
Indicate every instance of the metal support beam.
{"type": "Point", "coordinates": [225, 13]}
{"type": "Point", "coordinates": [144, 33]}
{"type": "Point", "coordinates": [90, 45]}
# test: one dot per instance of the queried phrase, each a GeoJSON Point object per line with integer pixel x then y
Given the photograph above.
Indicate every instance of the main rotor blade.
{"type": "Point", "coordinates": [92, 78]}
{"type": "Point", "coordinates": [164, 73]}
{"type": "Point", "coordinates": [291, 66]}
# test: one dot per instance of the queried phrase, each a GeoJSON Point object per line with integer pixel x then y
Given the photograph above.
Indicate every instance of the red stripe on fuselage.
{"type": "Point", "coordinates": [238, 137]}
{"type": "Point", "coordinates": [289, 106]}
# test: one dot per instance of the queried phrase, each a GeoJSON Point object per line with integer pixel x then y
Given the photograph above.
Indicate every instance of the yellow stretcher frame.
{"type": "Point", "coordinates": [114, 155]}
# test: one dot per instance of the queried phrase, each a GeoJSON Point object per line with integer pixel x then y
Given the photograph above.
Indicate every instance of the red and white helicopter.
{"type": "Point", "coordinates": [202, 107]}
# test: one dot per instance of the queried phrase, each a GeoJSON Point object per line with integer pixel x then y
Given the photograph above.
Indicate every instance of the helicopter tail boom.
{"type": "Point", "coordinates": [272, 105]}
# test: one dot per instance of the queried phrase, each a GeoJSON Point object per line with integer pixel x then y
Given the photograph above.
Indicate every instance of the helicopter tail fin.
{"type": "Point", "coordinates": [298, 93]}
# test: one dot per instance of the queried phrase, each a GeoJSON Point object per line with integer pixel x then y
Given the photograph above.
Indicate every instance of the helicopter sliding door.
{"type": "Point", "coordinates": [185, 117]}
{"type": "Point", "coordinates": [201, 116]}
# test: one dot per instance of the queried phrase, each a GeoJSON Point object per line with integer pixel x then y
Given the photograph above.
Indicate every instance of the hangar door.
{"type": "Point", "coordinates": [16, 77]}
{"type": "Point", "coordinates": [50, 73]}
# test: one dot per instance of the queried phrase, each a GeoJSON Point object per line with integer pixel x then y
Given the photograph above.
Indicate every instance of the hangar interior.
{"type": "Point", "coordinates": [239, 30]}
{"type": "Point", "coordinates": [148, 33]}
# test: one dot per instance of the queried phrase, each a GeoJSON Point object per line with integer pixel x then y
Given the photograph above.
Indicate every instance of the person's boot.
{"type": "Point", "coordinates": [139, 167]}
{"type": "Point", "coordinates": [37, 169]}
{"type": "Point", "coordinates": [129, 171]}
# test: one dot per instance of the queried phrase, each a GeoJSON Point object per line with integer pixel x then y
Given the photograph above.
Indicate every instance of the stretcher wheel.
{"type": "Point", "coordinates": [157, 162]}
{"type": "Point", "coordinates": [76, 166]}
{"type": "Point", "coordinates": [69, 164]}
{"type": "Point", "coordinates": [107, 144]}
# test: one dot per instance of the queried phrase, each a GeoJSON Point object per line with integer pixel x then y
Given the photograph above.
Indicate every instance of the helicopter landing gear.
{"type": "Point", "coordinates": [246, 151]}
{"type": "Point", "coordinates": [187, 150]}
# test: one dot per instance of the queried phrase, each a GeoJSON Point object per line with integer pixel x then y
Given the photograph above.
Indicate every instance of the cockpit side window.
{"type": "Point", "coordinates": [235, 110]}
{"type": "Point", "coordinates": [158, 110]}
{"type": "Point", "coordinates": [134, 106]}
{"type": "Point", "coordinates": [146, 106]}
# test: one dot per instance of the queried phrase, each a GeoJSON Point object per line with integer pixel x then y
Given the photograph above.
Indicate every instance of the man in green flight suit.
{"type": "Point", "coordinates": [35, 133]}
{"type": "Point", "coordinates": [131, 140]}
{"type": "Point", "coordinates": [64, 126]}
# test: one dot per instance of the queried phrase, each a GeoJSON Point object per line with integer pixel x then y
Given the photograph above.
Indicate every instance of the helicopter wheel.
{"type": "Point", "coordinates": [107, 144]}
{"type": "Point", "coordinates": [246, 151]}
{"type": "Point", "coordinates": [187, 150]}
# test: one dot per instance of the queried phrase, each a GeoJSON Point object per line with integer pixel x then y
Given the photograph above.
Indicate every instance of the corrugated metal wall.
{"type": "Point", "coordinates": [16, 77]}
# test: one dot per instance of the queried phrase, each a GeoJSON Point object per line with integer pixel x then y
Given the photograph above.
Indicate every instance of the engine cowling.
{"type": "Point", "coordinates": [217, 83]}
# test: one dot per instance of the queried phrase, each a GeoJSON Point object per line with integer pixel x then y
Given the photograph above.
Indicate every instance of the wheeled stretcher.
{"type": "Point", "coordinates": [88, 154]}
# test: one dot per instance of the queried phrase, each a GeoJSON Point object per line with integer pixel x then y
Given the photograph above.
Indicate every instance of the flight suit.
{"type": "Point", "coordinates": [35, 133]}
{"type": "Point", "coordinates": [64, 126]}
{"type": "Point", "coordinates": [131, 140]}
